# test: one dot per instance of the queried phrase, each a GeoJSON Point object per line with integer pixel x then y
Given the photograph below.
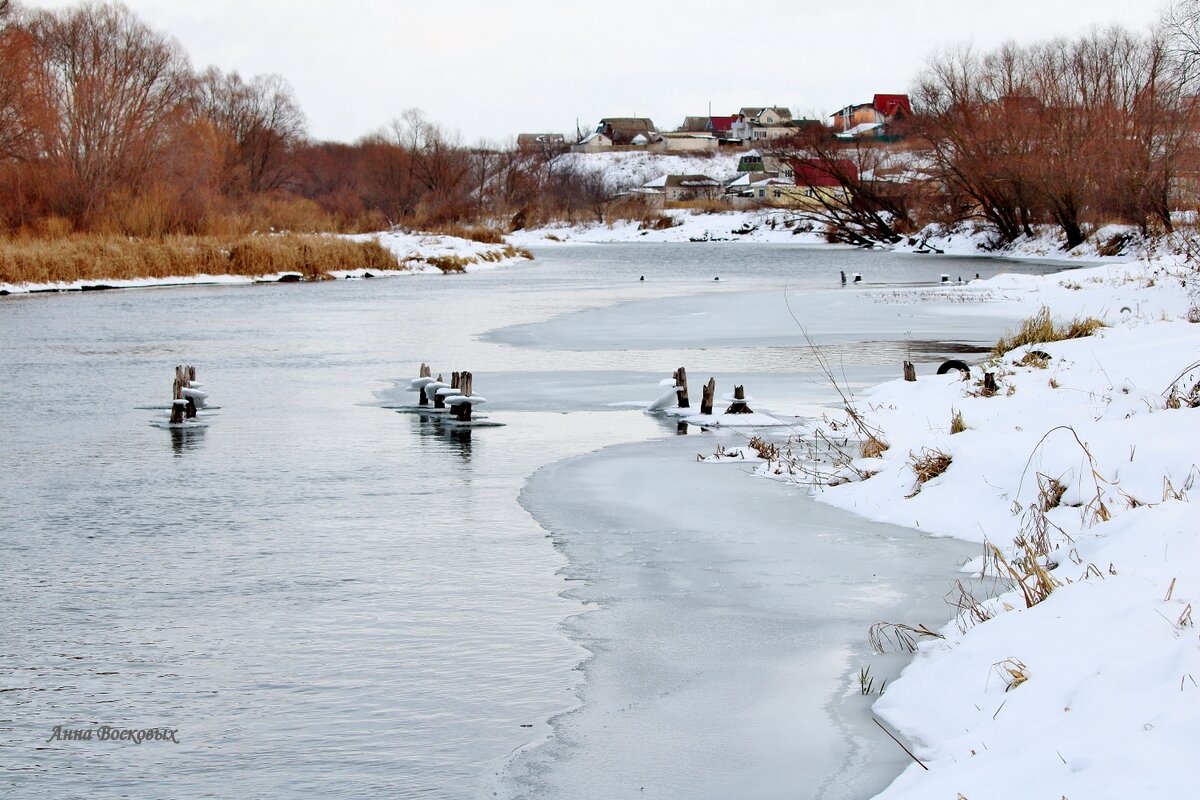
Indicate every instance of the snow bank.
{"type": "Point", "coordinates": [1081, 464]}
{"type": "Point", "coordinates": [732, 226]}
{"type": "Point", "coordinates": [417, 252]}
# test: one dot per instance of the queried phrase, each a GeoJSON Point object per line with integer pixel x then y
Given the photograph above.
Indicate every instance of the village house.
{"type": "Point", "coordinates": [624, 130]}
{"type": "Point", "coordinates": [820, 182]}
{"type": "Point", "coordinates": [669, 190]}
{"type": "Point", "coordinates": [754, 124]}
{"type": "Point", "coordinates": [755, 161]}
{"type": "Point", "coordinates": [871, 119]}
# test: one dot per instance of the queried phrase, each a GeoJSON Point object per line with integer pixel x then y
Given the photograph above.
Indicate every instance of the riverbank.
{"type": "Point", "coordinates": [1079, 679]}
{"type": "Point", "coordinates": [93, 262]}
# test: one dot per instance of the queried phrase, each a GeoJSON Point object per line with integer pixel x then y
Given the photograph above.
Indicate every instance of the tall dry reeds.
{"type": "Point", "coordinates": [98, 258]}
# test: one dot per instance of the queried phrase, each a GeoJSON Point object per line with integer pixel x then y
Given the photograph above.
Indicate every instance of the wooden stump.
{"type": "Point", "coordinates": [989, 384]}
{"type": "Point", "coordinates": [739, 402]}
{"type": "Point", "coordinates": [438, 400]}
{"type": "Point", "coordinates": [910, 372]}
{"type": "Point", "coordinates": [706, 397]}
{"type": "Point", "coordinates": [177, 411]}
{"type": "Point", "coordinates": [462, 411]}
{"type": "Point", "coordinates": [681, 381]}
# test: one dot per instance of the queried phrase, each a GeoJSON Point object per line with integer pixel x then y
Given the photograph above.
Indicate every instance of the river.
{"type": "Point", "coordinates": [323, 596]}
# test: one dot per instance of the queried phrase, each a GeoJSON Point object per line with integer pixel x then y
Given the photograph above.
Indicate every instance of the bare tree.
{"type": "Point", "coordinates": [112, 87]}
{"type": "Point", "coordinates": [262, 122]}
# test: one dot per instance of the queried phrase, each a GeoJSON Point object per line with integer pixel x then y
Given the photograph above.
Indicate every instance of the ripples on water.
{"type": "Point", "coordinates": [323, 596]}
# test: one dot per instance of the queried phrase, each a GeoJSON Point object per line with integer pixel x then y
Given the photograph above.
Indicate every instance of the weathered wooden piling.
{"type": "Point", "coordinates": [706, 397]}
{"type": "Point", "coordinates": [424, 372]}
{"type": "Point", "coordinates": [462, 411]}
{"type": "Point", "coordinates": [183, 404]}
{"type": "Point", "coordinates": [439, 401]}
{"type": "Point", "coordinates": [739, 402]}
{"type": "Point", "coordinates": [989, 384]}
{"type": "Point", "coordinates": [682, 393]}
{"type": "Point", "coordinates": [910, 372]}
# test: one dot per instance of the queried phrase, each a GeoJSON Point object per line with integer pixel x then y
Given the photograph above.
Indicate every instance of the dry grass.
{"type": "Point", "coordinates": [929, 464]}
{"type": "Point", "coordinates": [957, 425]}
{"type": "Point", "coordinates": [475, 233]}
{"type": "Point", "coordinates": [873, 447]}
{"type": "Point", "coordinates": [1039, 329]}
{"type": "Point", "coordinates": [98, 258]}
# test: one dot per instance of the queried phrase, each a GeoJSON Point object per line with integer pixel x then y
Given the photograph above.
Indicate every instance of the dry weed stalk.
{"type": "Point", "coordinates": [899, 636]}
{"type": "Point", "coordinates": [928, 465]}
{"type": "Point", "coordinates": [1014, 672]}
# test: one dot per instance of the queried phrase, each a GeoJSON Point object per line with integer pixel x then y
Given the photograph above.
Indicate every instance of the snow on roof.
{"type": "Point", "coordinates": [657, 183]}
{"type": "Point", "coordinates": [859, 130]}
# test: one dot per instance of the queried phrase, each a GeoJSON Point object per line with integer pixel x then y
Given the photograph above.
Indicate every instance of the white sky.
{"type": "Point", "coordinates": [491, 69]}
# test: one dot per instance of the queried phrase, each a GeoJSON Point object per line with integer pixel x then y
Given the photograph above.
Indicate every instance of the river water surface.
{"type": "Point", "coordinates": [330, 598]}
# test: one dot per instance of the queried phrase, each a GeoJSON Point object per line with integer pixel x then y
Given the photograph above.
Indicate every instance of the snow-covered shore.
{"type": "Point", "coordinates": [1082, 678]}
{"type": "Point", "coordinates": [418, 253]}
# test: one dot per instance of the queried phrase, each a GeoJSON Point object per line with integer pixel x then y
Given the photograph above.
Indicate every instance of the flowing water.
{"type": "Point", "coordinates": [326, 597]}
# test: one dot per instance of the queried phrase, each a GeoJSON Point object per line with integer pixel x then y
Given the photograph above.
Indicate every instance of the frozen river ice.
{"type": "Point", "coordinates": [329, 598]}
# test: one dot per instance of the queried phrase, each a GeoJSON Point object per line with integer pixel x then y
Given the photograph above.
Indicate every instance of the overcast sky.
{"type": "Point", "coordinates": [491, 69]}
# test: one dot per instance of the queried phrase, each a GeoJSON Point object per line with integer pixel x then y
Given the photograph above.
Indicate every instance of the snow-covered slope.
{"type": "Point", "coordinates": [1084, 680]}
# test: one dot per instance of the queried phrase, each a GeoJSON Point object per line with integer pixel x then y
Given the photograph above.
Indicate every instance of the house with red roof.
{"type": "Point", "coordinates": [868, 119]}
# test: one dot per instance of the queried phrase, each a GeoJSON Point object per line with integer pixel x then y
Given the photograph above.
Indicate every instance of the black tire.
{"type": "Point", "coordinates": [954, 363]}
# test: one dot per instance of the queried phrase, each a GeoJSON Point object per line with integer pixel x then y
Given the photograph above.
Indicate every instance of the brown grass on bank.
{"type": "Point", "coordinates": [475, 233]}
{"type": "Point", "coordinates": [99, 258]}
{"type": "Point", "coordinates": [1039, 329]}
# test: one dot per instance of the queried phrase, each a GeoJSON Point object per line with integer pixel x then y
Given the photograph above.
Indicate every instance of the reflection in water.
{"type": "Point", "coordinates": [435, 429]}
{"type": "Point", "coordinates": [186, 439]}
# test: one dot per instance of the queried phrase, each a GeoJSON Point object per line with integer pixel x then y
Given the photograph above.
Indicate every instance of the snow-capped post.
{"type": "Point", "coordinates": [439, 401]}
{"type": "Point", "coordinates": [424, 372]}
{"type": "Point", "coordinates": [706, 397]}
{"type": "Point", "coordinates": [682, 393]}
{"type": "Point", "coordinates": [462, 402]}
{"type": "Point", "coordinates": [739, 402]}
{"type": "Point", "coordinates": [178, 408]}
{"type": "Point", "coordinates": [910, 372]}
{"type": "Point", "coordinates": [186, 392]}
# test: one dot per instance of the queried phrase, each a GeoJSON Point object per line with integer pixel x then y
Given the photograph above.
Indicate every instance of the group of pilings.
{"type": "Point", "coordinates": [461, 381]}
{"type": "Point", "coordinates": [707, 396]}
{"type": "Point", "coordinates": [183, 407]}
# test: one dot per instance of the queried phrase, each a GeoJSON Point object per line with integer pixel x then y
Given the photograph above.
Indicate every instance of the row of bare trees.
{"type": "Point", "coordinates": [104, 125]}
{"type": "Point", "coordinates": [1074, 133]}
{"type": "Point", "coordinates": [98, 111]}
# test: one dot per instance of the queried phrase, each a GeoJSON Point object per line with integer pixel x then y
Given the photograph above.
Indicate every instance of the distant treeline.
{"type": "Point", "coordinates": [106, 127]}
{"type": "Point", "coordinates": [1073, 133]}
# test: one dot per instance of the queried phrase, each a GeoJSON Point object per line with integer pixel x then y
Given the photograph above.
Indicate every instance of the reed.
{"type": "Point", "coordinates": [99, 257]}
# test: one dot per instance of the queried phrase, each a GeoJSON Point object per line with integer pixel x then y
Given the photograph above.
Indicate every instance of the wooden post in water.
{"type": "Point", "coordinates": [178, 404]}
{"type": "Point", "coordinates": [462, 411]}
{"type": "Point", "coordinates": [438, 400]}
{"type": "Point", "coordinates": [681, 381]}
{"type": "Point", "coordinates": [706, 397]}
{"type": "Point", "coordinates": [910, 372]}
{"type": "Point", "coordinates": [739, 402]}
{"type": "Point", "coordinates": [423, 372]}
